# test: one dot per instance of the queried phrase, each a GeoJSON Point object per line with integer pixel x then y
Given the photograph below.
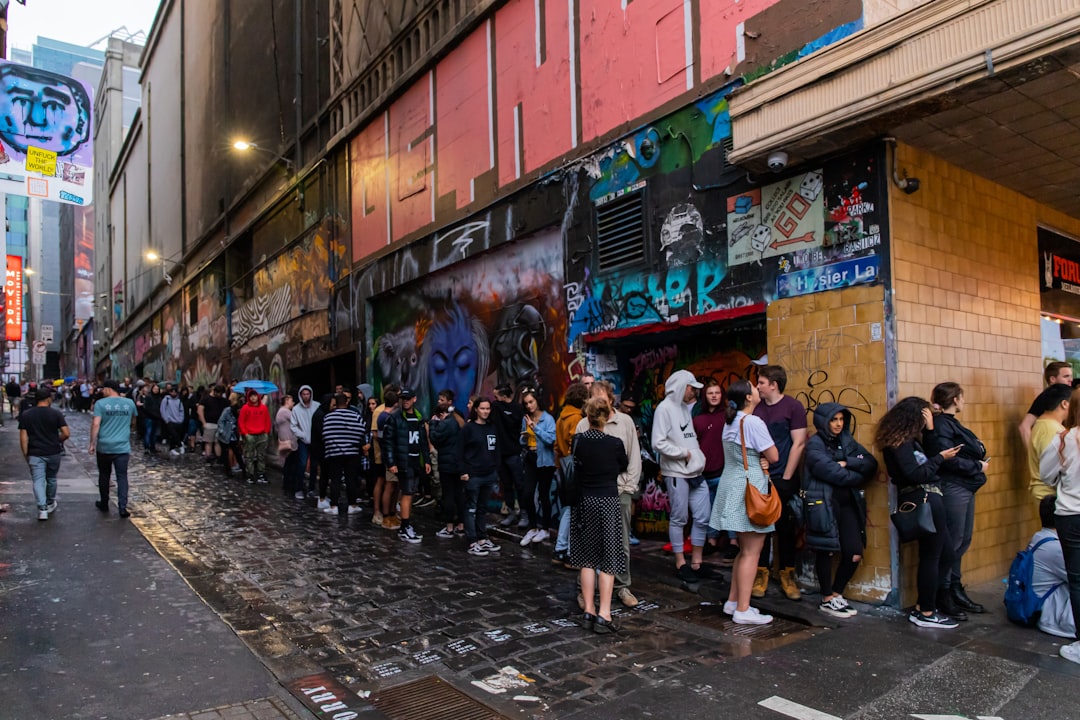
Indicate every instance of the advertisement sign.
{"type": "Point", "coordinates": [776, 219]}
{"type": "Point", "coordinates": [13, 297]}
{"type": "Point", "coordinates": [1059, 262]}
{"type": "Point", "coordinates": [46, 144]}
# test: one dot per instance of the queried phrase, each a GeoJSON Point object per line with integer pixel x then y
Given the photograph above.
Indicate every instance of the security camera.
{"type": "Point", "coordinates": [778, 161]}
{"type": "Point", "coordinates": [910, 185]}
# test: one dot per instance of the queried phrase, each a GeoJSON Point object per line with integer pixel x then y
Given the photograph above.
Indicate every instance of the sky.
{"type": "Point", "coordinates": [79, 22]}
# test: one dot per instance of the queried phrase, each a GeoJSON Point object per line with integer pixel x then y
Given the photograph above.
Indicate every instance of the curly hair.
{"type": "Point", "coordinates": [902, 423]}
{"type": "Point", "coordinates": [576, 394]}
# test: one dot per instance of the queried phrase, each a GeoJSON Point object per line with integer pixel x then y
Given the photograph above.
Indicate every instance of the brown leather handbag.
{"type": "Point", "coordinates": [761, 508]}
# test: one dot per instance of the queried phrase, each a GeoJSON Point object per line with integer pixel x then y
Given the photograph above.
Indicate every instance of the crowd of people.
{"type": "Point", "coordinates": [707, 444]}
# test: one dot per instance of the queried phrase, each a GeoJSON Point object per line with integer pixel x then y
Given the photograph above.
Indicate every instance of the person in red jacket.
{"type": "Point", "coordinates": [254, 428]}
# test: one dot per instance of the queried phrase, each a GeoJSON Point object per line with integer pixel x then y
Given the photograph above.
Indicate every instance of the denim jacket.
{"type": "Point", "coordinates": [545, 440]}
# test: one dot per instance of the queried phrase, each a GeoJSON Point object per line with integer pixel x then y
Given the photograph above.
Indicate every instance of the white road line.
{"type": "Point", "coordinates": [794, 709]}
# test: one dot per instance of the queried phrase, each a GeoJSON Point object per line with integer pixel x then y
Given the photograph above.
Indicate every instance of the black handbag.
{"type": "Point", "coordinates": [913, 518]}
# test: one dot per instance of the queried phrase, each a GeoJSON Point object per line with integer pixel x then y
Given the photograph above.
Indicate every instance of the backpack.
{"type": "Point", "coordinates": [571, 490]}
{"type": "Point", "coordinates": [1022, 605]}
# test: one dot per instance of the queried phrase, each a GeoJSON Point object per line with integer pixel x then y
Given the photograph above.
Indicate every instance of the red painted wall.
{"type": "Point", "coordinates": [464, 141]}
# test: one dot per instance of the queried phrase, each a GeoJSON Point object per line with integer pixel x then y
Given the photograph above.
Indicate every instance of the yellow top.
{"type": "Point", "coordinates": [530, 438]}
{"type": "Point", "coordinates": [1042, 434]}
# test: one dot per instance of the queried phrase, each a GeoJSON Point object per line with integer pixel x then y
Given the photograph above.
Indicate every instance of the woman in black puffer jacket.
{"type": "Point", "coordinates": [960, 478]}
{"type": "Point", "coordinates": [835, 466]}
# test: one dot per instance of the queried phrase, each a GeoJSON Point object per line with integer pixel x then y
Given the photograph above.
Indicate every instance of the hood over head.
{"type": "Point", "coordinates": [302, 389]}
{"type": "Point", "coordinates": [824, 413]}
{"type": "Point", "coordinates": [677, 382]}
{"type": "Point", "coordinates": [250, 392]}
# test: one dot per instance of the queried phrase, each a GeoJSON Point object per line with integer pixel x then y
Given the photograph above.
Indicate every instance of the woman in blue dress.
{"type": "Point", "coordinates": [746, 440]}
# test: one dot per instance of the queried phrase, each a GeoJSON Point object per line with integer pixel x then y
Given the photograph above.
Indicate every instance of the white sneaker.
{"type": "Point", "coordinates": [355, 509]}
{"type": "Point", "coordinates": [299, 495]}
{"type": "Point", "coordinates": [50, 507]}
{"type": "Point", "coordinates": [540, 536]}
{"type": "Point", "coordinates": [43, 515]}
{"type": "Point", "coordinates": [837, 607]}
{"type": "Point", "coordinates": [751, 617]}
{"type": "Point", "coordinates": [329, 510]}
{"type": "Point", "coordinates": [528, 537]}
{"type": "Point", "coordinates": [323, 504]}
{"type": "Point", "coordinates": [174, 451]}
{"type": "Point", "coordinates": [478, 550]}
{"type": "Point", "coordinates": [1071, 652]}
{"type": "Point", "coordinates": [729, 607]}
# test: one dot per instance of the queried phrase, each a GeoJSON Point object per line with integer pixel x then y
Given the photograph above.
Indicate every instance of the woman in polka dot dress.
{"type": "Point", "coordinates": [596, 521]}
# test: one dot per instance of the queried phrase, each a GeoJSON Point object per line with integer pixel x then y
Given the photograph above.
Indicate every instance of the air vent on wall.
{"type": "Point", "coordinates": [620, 232]}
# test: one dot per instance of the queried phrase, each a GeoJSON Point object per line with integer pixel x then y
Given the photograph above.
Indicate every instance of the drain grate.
{"type": "Point", "coordinates": [431, 698]}
{"type": "Point", "coordinates": [713, 616]}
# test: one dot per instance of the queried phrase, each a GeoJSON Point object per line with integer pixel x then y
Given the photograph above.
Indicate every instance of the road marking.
{"type": "Point", "coordinates": [954, 717]}
{"type": "Point", "coordinates": [794, 709]}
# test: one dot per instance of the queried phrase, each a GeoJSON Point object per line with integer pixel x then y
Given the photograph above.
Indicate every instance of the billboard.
{"type": "Point", "coordinates": [46, 145]}
{"type": "Point", "coordinates": [13, 296]}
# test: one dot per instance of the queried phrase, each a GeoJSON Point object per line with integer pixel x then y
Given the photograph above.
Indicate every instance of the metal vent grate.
{"type": "Point", "coordinates": [431, 698]}
{"type": "Point", "coordinates": [620, 232]}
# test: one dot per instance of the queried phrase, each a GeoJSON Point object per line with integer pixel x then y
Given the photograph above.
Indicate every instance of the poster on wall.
{"type": "Point", "coordinates": [776, 219]}
{"type": "Point", "coordinates": [46, 144]}
{"type": "Point", "coordinates": [1059, 284]}
{"type": "Point", "coordinates": [13, 298]}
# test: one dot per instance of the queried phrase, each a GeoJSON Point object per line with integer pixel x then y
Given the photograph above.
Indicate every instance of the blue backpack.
{"type": "Point", "coordinates": [1022, 605]}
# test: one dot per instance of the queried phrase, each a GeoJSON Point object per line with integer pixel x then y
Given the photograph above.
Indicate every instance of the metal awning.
{"type": "Point", "coordinates": [992, 86]}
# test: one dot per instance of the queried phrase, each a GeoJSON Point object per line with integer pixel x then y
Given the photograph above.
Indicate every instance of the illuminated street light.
{"type": "Point", "coordinates": [245, 146]}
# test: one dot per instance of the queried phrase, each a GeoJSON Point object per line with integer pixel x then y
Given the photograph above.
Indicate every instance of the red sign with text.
{"type": "Point", "coordinates": [13, 296]}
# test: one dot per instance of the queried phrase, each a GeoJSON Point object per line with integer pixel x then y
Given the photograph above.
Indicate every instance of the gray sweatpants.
{"type": "Point", "coordinates": [687, 501]}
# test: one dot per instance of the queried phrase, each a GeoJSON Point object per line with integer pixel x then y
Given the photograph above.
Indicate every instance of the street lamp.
{"type": "Point", "coordinates": [243, 146]}
{"type": "Point", "coordinates": [154, 256]}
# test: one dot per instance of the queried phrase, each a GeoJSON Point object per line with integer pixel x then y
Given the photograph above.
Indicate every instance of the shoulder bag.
{"type": "Point", "coordinates": [913, 518]}
{"type": "Point", "coordinates": [761, 508]}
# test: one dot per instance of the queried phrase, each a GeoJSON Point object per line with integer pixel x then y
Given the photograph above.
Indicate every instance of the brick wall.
{"type": "Point", "coordinates": [966, 299]}
{"type": "Point", "coordinates": [825, 342]}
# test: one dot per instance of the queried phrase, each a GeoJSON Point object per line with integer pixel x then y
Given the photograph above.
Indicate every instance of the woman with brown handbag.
{"type": "Point", "coordinates": [746, 440]}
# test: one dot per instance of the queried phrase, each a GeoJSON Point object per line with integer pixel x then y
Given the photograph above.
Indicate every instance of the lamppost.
{"type": "Point", "coordinates": [243, 146]}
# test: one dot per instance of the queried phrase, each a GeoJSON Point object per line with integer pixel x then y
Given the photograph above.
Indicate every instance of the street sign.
{"type": "Point", "coordinates": [39, 346]}
{"type": "Point", "coordinates": [47, 333]}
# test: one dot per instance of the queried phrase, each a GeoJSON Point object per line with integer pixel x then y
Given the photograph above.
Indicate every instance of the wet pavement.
{"type": "Point", "coordinates": [341, 611]}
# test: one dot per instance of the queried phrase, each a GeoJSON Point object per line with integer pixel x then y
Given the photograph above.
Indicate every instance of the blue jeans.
{"type": "Point", "coordinates": [148, 433]}
{"type": "Point", "coordinates": [43, 472]}
{"type": "Point", "coordinates": [105, 465]}
{"type": "Point", "coordinates": [477, 491]}
{"type": "Point", "coordinates": [562, 542]}
{"type": "Point", "coordinates": [302, 452]}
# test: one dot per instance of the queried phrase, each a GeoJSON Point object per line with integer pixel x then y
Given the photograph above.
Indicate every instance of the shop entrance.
{"type": "Point", "coordinates": [325, 375]}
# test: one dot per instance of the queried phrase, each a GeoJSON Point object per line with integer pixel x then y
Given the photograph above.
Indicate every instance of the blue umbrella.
{"type": "Point", "coordinates": [263, 387]}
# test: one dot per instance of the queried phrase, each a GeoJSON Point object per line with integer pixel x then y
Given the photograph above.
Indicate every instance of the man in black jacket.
{"type": "Point", "coordinates": [405, 449]}
{"type": "Point", "coordinates": [506, 416]}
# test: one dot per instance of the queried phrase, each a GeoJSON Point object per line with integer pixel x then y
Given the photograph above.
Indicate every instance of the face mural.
{"type": "Point", "coordinates": [42, 109]}
{"type": "Point", "coordinates": [492, 319]}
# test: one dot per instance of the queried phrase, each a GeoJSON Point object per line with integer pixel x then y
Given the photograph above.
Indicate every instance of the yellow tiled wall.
{"type": "Point", "coordinates": [832, 352]}
{"type": "Point", "coordinates": [966, 297]}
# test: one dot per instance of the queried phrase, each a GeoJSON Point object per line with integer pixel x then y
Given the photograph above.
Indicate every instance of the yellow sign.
{"type": "Point", "coordinates": [41, 161]}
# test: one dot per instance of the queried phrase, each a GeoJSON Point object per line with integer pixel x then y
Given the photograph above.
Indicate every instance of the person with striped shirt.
{"type": "Point", "coordinates": [345, 445]}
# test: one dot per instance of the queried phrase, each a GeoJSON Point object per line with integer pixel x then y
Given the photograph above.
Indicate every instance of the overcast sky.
{"type": "Point", "coordinates": [79, 22]}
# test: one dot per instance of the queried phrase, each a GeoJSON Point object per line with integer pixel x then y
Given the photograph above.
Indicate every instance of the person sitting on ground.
{"type": "Point", "coordinates": [1049, 572]}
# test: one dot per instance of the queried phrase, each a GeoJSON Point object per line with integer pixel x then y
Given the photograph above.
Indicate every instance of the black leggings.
{"type": "Point", "coordinates": [453, 498]}
{"type": "Point", "coordinates": [537, 478]}
{"type": "Point", "coordinates": [786, 529]}
{"type": "Point", "coordinates": [850, 528]}
{"type": "Point", "coordinates": [935, 554]}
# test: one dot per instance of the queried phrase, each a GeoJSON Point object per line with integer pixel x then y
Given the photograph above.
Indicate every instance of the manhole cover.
{"type": "Point", "coordinates": [712, 616]}
{"type": "Point", "coordinates": [431, 698]}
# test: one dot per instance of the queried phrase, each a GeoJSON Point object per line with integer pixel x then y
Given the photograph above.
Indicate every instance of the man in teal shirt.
{"type": "Point", "coordinates": [110, 440]}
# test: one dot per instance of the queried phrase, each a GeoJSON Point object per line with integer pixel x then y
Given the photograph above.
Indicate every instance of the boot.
{"type": "Point", "coordinates": [788, 584]}
{"type": "Point", "coordinates": [962, 601]}
{"type": "Point", "coordinates": [761, 583]}
{"type": "Point", "coordinates": [946, 605]}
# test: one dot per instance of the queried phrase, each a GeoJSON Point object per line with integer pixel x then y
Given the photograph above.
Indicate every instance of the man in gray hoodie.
{"type": "Point", "coordinates": [681, 463]}
{"type": "Point", "coordinates": [302, 414]}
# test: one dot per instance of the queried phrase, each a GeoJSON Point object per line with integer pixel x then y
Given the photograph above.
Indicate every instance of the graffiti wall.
{"type": "Point", "coordinates": [499, 317]}
{"type": "Point", "coordinates": [430, 157]}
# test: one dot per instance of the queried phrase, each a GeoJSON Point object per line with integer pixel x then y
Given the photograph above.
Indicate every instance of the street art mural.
{"type": "Point", "coordinates": [429, 159]}
{"type": "Point", "coordinates": [497, 318]}
{"type": "Point", "coordinates": [46, 147]}
{"type": "Point", "coordinates": [295, 282]}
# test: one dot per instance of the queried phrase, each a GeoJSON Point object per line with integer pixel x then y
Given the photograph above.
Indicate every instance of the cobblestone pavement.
{"type": "Point", "coordinates": [265, 709]}
{"type": "Point", "coordinates": [309, 591]}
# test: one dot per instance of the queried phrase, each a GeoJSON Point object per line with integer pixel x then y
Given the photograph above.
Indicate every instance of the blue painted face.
{"type": "Point", "coordinates": [454, 356]}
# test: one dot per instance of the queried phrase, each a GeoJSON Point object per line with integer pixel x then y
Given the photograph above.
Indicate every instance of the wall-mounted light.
{"type": "Point", "coordinates": [243, 146]}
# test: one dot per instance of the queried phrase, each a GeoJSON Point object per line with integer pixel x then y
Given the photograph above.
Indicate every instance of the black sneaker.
{"type": "Point", "coordinates": [124, 513]}
{"type": "Point", "coordinates": [687, 574]}
{"type": "Point", "coordinates": [933, 620]}
{"type": "Point", "coordinates": [102, 506]}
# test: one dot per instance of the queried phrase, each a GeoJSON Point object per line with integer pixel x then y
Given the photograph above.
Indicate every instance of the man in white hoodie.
{"type": "Point", "coordinates": [302, 414]}
{"type": "Point", "coordinates": [681, 463]}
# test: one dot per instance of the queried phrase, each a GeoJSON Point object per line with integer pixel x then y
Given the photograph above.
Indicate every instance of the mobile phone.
{"type": "Point", "coordinates": [986, 459]}
{"type": "Point", "coordinates": [958, 446]}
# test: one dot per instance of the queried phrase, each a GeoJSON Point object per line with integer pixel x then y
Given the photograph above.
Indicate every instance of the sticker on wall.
{"type": "Point", "coordinates": [780, 218]}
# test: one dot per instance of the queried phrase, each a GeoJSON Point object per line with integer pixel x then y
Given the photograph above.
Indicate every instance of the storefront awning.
{"type": "Point", "coordinates": [992, 86]}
